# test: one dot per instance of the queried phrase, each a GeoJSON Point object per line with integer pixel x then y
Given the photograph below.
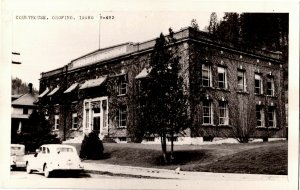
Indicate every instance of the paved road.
{"type": "Point", "coordinates": [60, 175]}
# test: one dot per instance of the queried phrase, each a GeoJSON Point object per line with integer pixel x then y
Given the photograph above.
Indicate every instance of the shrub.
{"type": "Point", "coordinates": [91, 147]}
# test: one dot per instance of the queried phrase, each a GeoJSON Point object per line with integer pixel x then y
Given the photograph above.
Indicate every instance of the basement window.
{"type": "Point", "coordinates": [122, 139]}
{"type": "Point", "coordinates": [175, 139]}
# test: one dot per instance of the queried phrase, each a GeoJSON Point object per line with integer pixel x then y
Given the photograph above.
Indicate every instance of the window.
{"type": "Point", "coordinates": [74, 121]}
{"type": "Point", "coordinates": [25, 110]}
{"type": "Point", "coordinates": [222, 78]}
{"type": "Point", "coordinates": [56, 122]}
{"type": "Point", "coordinates": [122, 114]}
{"type": "Point", "coordinates": [271, 117]}
{"type": "Point", "coordinates": [149, 139]}
{"type": "Point", "coordinates": [122, 139]}
{"type": "Point", "coordinates": [241, 81]}
{"type": "Point", "coordinates": [122, 87]}
{"type": "Point", "coordinates": [259, 116]}
{"type": "Point", "coordinates": [270, 86]}
{"type": "Point", "coordinates": [223, 113]}
{"type": "Point", "coordinates": [206, 75]}
{"type": "Point", "coordinates": [258, 84]}
{"type": "Point", "coordinates": [207, 112]}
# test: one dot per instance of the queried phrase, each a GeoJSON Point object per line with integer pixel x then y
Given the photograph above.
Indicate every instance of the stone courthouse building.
{"type": "Point", "coordinates": [229, 86]}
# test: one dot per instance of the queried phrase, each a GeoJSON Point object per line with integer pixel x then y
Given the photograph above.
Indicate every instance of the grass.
{"type": "Point", "coordinates": [253, 158]}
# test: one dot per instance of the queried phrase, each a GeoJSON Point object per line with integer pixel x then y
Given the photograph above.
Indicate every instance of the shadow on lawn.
{"type": "Point", "coordinates": [183, 157]}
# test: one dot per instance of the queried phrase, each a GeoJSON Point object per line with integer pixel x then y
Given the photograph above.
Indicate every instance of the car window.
{"type": "Point", "coordinates": [64, 149]}
{"type": "Point", "coordinates": [44, 150]}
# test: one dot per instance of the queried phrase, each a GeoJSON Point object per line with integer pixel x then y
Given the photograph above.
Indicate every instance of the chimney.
{"type": "Point", "coordinates": [30, 88]}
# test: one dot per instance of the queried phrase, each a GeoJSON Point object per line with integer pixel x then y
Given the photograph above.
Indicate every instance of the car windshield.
{"type": "Point", "coordinates": [64, 149]}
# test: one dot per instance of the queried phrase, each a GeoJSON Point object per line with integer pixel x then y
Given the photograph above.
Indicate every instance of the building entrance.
{"type": "Point", "coordinates": [95, 115]}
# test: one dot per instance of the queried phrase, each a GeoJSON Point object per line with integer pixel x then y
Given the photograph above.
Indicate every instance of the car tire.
{"type": "Point", "coordinates": [28, 170]}
{"type": "Point", "coordinates": [46, 171]}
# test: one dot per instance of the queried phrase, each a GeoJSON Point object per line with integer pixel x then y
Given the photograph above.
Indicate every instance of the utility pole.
{"type": "Point", "coordinates": [99, 29]}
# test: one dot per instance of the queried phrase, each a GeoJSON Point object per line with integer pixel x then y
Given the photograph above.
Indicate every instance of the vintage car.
{"type": "Point", "coordinates": [17, 156]}
{"type": "Point", "coordinates": [53, 157]}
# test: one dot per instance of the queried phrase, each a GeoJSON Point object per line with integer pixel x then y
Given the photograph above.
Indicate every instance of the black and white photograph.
{"type": "Point", "coordinates": [109, 97]}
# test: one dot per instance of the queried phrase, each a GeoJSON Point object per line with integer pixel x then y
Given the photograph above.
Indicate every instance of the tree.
{"type": "Point", "coordinates": [91, 147]}
{"type": "Point", "coordinates": [19, 87]}
{"type": "Point", "coordinates": [262, 30]}
{"type": "Point", "coordinates": [229, 28]}
{"type": "Point", "coordinates": [37, 133]}
{"type": "Point", "coordinates": [213, 23]}
{"type": "Point", "coordinates": [194, 24]}
{"type": "Point", "coordinates": [163, 101]}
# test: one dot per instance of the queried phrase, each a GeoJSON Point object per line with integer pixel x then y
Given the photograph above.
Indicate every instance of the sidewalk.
{"type": "Point", "coordinates": [141, 172]}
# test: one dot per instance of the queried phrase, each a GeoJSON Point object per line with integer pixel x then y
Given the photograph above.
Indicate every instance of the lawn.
{"type": "Point", "coordinates": [253, 158]}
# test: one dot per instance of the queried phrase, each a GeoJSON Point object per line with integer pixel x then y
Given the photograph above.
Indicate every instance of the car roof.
{"type": "Point", "coordinates": [19, 145]}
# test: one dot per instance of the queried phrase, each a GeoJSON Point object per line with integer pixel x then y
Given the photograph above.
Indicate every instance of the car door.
{"type": "Point", "coordinates": [40, 158]}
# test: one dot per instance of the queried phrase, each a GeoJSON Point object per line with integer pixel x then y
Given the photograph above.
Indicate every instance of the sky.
{"type": "Point", "coordinates": [47, 44]}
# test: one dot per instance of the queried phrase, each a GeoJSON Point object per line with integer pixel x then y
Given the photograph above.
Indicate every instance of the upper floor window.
{"type": "Point", "coordinates": [207, 112]}
{"type": "Point", "coordinates": [56, 122]}
{"type": "Point", "coordinates": [260, 119]}
{"type": "Point", "coordinates": [270, 86]}
{"type": "Point", "coordinates": [25, 110]}
{"type": "Point", "coordinates": [271, 117]}
{"type": "Point", "coordinates": [241, 78]}
{"type": "Point", "coordinates": [223, 113]}
{"type": "Point", "coordinates": [206, 75]}
{"type": "Point", "coordinates": [122, 116]}
{"type": "Point", "coordinates": [258, 84]}
{"type": "Point", "coordinates": [122, 86]}
{"type": "Point", "coordinates": [74, 121]}
{"type": "Point", "coordinates": [222, 78]}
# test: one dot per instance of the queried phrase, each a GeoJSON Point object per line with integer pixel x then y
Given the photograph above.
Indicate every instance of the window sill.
{"type": "Point", "coordinates": [74, 129]}
{"type": "Point", "coordinates": [54, 130]}
{"type": "Point", "coordinates": [224, 125]}
{"type": "Point", "coordinates": [121, 127]}
{"type": "Point", "coordinates": [261, 95]}
{"type": "Point", "coordinates": [242, 92]}
{"type": "Point", "coordinates": [270, 128]}
{"type": "Point", "coordinates": [120, 95]}
{"type": "Point", "coordinates": [223, 89]}
{"type": "Point", "coordinates": [207, 87]}
{"type": "Point", "coordinates": [271, 96]}
{"type": "Point", "coordinates": [208, 125]}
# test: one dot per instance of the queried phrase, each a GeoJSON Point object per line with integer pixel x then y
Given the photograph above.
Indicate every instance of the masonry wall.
{"type": "Point", "coordinates": [245, 102]}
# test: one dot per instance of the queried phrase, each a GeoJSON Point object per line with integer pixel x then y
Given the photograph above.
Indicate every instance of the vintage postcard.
{"type": "Point", "coordinates": [140, 95]}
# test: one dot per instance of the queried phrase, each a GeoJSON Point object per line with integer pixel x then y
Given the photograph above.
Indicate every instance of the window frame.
{"type": "Point", "coordinates": [56, 123]}
{"type": "Point", "coordinates": [74, 115]}
{"type": "Point", "coordinates": [223, 71]}
{"type": "Point", "coordinates": [242, 74]}
{"type": "Point", "coordinates": [271, 110]}
{"type": "Point", "coordinates": [258, 77]}
{"type": "Point", "coordinates": [122, 85]}
{"type": "Point", "coordinates": [122, 116]}
{"type": "Point", "coordinates": [223, 105]}
{"type": "Point", "coordinates": [207, 68]}
{"type": "Point", "coordinates": [261, 114]}
{"type": "Point", "coordinates": [210, 112]}
{"type": "Point", "coordinates": [25, 111]}
{"type": "Point", "coordinates": [270, 79]}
